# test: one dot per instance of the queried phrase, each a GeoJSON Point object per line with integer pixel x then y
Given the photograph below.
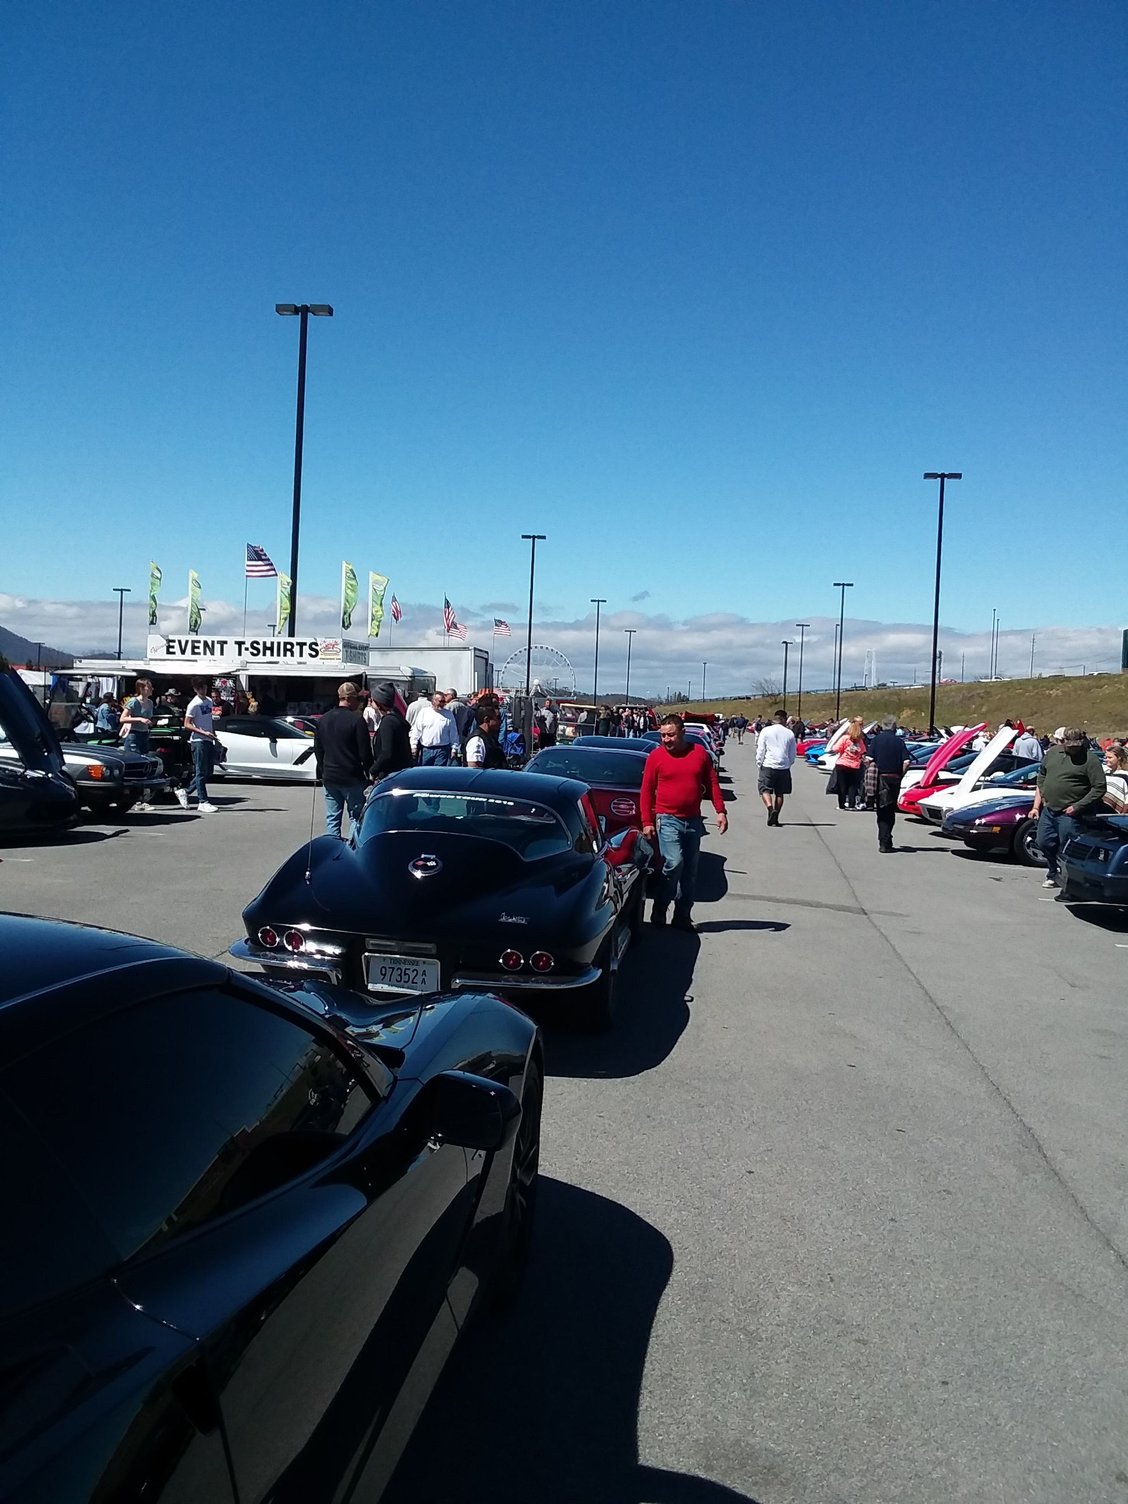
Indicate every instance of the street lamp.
{"type": "Point", "coordinates": [597, 601]}
{"type": "Point", "coordinates": [121, 591]}
{"type": "Point", "coordinates": [941, 476]}
{"type": "Point", "coordinates": [802, 625]}
{"type": "Point", "coordinates": [532, 539]}
{"type": "Point", "coordinates": [785, 643]}
{"type": "Point", "coordinates": [843, 586]}
{"type": "Point", "coordinates": [303, 311]}
{"type": "Point", "coordinates": [704, 666]}
{"type": "Point", "coordinates": [630, 631]}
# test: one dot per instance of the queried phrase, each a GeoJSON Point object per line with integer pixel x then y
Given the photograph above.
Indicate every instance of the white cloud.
{"type": "Point", "coordinates": [665, 652]}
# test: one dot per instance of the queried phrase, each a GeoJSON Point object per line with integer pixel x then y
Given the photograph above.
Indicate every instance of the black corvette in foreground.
{"type": "Point", "coordinates": [461, 878]}
{"type": "Point", "coordinates": [242, 1224]}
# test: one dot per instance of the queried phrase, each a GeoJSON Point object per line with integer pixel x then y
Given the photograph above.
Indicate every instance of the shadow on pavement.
{"type": "Point", "coordinates": [541, 1406]}
{"type": "Point", "coordinates": [712, 883]}
{"type": "Point", "coordinates": [83, 835]}
{"type": "Point", "coordinates": [715, 926]}
{"type": "Point", "coordinates": [1100, 916]}
{"type": "Point", "coordinates": [652, 1013]}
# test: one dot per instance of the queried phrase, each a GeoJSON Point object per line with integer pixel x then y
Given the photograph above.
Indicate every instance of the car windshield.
{"type": "Point", "coordinates": [595, 765]}
{"type": "Point", "coordinates": [530, 829]}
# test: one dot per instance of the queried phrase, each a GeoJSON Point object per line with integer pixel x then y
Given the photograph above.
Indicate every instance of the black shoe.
{"type": "Point", "coordinates": [683, 922]}
{"type": "Point", "coordinates": [658, 916]}
{"type": "Point", "coordinates": [885, 850]}
{"type": "Point", "coordinates": [772, 817]}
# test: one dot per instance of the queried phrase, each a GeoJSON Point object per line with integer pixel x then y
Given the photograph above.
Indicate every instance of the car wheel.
{"type": "Point", "coordinates": [1024, 846]}
{"type": "Point", "coordinates": [521, 1193]}
{"type": "Point", "coordinates": [597, 1012]}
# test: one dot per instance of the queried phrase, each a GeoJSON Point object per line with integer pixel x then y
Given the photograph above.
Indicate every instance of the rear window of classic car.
{"type": "Point", "coordinates": [621, 770]}
{"type": "Point", "coordinates": [528, 828]}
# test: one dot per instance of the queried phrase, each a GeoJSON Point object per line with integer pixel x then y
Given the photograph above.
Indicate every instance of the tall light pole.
{"type": "Point", "coordinates": [785, 643]}
{"type": "Point", "coordinates": [802, 625]}
{"type": "Point", "coordinates": [991, 649]}
{"type": "Point", "coordinates": [941, 476]}
{"type": "Point", "coordinates": [704, 666]}
{"type": "Point", "coordinates": [532, 539]}
{"type": "Point", "coordinates": [597, 601]}
{"type": "Point", "coordinates": [303, 311]}
{"type": "Point", "coordinates": [121, 591]}
{"type": "Point", "coordinates": [995, 648]}
{"type": "Point", "coordinates": [1033, 635]}
{"type": "Point", "coordinates": [842, 586]}
{"type": "Point", "coordinates": [630, 631]}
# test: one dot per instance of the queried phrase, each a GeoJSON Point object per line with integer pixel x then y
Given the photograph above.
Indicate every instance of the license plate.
{"type": "Point", "coordinates": [400, 974]}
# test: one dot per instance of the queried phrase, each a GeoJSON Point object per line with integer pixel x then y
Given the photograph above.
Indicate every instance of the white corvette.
{"type": "Point", "coordinates": [263, 746]}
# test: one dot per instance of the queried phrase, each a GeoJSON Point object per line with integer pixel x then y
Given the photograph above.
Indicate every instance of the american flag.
{"type": "Point", "coordinates": [259, 566]}
{"type": "Point", "coordinates": [450, 622]}
{"type": "Point", "coordinates": [501, 628]}
{"type": "Point", "coordinates": [397, 610]}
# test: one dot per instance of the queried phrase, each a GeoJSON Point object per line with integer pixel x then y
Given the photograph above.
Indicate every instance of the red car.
{"type": "Point", "coordinates": [613, 774]}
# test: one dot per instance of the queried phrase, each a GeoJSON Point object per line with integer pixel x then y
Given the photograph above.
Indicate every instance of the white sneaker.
{"type": "Point", "coordinates": [181, 797]}
{"type": "Point", "coordinates": [1049, 882]}
{"type": "Point", "coordinates": [142, 808]}
{"type": "Point", "coordinates": [208, 809]}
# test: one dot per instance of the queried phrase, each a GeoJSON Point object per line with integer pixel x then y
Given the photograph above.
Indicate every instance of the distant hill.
{"type": "Point", "coordinates": [1099, 702]}
{"type": "Point", "coordinates": [17, 649]}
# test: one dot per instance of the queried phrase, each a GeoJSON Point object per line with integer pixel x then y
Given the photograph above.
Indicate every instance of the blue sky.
{"type": "Point", "coordinates": [697, 289]}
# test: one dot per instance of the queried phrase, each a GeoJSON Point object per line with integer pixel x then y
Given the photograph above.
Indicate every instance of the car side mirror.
{"type": "Point", "coordinates": [471, 1111]}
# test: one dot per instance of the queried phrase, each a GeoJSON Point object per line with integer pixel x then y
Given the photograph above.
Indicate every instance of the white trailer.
{"type": "Point", "coordinates": [465, 669]}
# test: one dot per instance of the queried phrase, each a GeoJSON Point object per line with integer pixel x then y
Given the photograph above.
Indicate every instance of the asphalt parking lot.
{"type": "Point", "coordinates": [836, 1215]}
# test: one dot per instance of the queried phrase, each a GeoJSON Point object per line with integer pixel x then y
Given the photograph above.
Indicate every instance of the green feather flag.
{"type": "Point", "coordinates": [195, 611]}
{"type": "Point", "coordinates": [350, 594]}
{"type": "Point", "coordinates": [377, 584]}
{"type": "Point", "coordinates": [155, 578]}
{"type": "Point", "coordinates": [283, 612]}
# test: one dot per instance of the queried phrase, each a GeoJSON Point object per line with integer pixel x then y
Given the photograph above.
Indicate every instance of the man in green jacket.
{"type": "Point", "coordinates": [1071, 781]}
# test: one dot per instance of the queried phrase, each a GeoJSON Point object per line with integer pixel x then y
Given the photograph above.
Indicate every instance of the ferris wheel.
{"type": "Point", "coordinates": [550, 672]}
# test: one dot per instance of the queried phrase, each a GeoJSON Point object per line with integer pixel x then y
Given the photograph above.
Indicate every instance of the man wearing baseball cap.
{"type": "Point", "coordinates": [1071, 780]}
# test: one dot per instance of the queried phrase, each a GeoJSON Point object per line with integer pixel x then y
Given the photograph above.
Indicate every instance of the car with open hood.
{"type": "Point", "coordinates": [36, 793]}
{"type": "Point", "coordinates": [461, 878]}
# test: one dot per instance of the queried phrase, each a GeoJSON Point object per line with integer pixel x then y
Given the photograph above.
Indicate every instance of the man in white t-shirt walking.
{"type": "Point", "coordinates": [198, 719]}
{"type": "Point", "coordinates": [775, 754]}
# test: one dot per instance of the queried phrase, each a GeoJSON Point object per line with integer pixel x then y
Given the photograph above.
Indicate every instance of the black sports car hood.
{"type": "Point", "coordinates": [396, 883]}
{"type": "Point", "coordinates": [25, 725]}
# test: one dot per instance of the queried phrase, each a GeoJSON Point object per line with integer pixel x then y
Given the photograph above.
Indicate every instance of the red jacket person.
{"type": "Point", "coordinates": [678, 775]}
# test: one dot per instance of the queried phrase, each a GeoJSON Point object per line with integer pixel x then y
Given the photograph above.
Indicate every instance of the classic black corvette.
{"type": "Point", "coordinates": [460, 878]}
{"type": "Point", "coordinates": [243, 1224]}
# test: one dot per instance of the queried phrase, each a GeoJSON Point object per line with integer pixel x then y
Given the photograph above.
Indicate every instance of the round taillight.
{"type": "Point", "coordinates": [293, 940]}
{"type": "Point", "coordinates": [540, 960]}
{"type": "Point", "coordinates": [512, 960]}
{"type": "Point", "coordinates": [624, 808]}
{"type": "Point", "coordinates": [268, 937]}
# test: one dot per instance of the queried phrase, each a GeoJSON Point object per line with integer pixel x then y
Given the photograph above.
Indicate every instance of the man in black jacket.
{"type": "Point", "coordinates": [342, 750]}
{"type": "Point", "coordinates": [391, 746]}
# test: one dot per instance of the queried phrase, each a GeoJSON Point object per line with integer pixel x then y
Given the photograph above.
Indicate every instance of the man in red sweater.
{"type": "Point", "coordinates": [678, 775]}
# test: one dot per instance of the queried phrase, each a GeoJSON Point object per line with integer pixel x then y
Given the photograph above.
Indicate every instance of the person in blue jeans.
{"type": "Point", "coordinates": [342, 749]}
{"type": "Point", "coordinates": [199, 720]}
{"type": "Point", "coordinates": [678, 775]}
{"type": "Point", "coordinates": [1071, 783]}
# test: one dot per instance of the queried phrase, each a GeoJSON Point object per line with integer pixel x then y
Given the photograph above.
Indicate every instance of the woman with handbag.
{"type": "Point", "coordinates": [848, 767]}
